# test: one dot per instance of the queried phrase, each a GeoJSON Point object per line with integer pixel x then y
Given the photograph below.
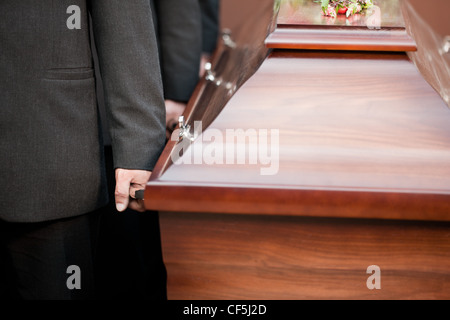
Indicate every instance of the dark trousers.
{"type": "Point", "coordinates": [129, 262]}
{"type": "Point", "coordinates": [118, 254]}
{"type": "Point", "coordinates": [36, 259]}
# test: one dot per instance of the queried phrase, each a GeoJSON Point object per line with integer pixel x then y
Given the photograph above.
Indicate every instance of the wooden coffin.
{"type": "Point", "coordinates": [322, 161]}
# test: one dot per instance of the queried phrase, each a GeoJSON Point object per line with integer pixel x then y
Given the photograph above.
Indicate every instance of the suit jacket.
{"type": "Point", "coordinates": [51, 153]}
{"type": "Point", "coordinates": [179, 32]}
{"type": "Point", "coordinates": [210, 10]}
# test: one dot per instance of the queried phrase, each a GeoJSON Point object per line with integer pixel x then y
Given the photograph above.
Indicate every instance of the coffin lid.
{"type": "Point", "coordinates": [349, 134]}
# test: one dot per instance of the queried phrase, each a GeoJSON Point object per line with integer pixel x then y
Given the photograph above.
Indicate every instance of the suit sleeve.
{"type": "Point", "coordinates": [180, 40]}
{"type": "Point", "coordinates": [129, 65]}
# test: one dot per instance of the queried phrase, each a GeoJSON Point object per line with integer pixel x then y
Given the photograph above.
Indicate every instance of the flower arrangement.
{"type": "Point", "coordinates": [348, 7]}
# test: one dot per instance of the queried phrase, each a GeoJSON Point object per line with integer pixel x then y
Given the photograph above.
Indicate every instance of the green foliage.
{"type": "Point", "coordinates": [353, 6]}
{"type": "Point", "coordinates": [325, 5]}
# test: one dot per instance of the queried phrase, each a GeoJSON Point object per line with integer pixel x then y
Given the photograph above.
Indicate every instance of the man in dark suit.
{"type": "Point", "coordinates": [179, 32]}
{"type": "Point", "coordinates": [129, 248]}
{"type": "Point", "coordinates": [52, 172]}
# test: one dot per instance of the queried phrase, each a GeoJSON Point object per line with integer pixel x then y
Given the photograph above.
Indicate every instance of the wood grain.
{"type": "Point", "coordinates": [217, 256]}
{"type": "Point", "coordinates": [429, 27]}
{"type": "Point", "coordinates": [361, 125]}
{"type": "Point", "coordinates": [341, 39]}
{"type": "Point", "coordinates": [231, 66]}
{"type": "Point", "coordinates": [364, 161]}
{"type": "Point", "coordinates": [298, 202]}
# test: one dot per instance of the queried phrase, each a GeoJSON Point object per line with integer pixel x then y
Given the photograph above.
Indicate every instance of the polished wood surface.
{"type": "Point", "coordinates": [223, 256]}
{"type": "Point", "coordinates": [430, 27]}
{"type": "Point", "coordinates": [301, 25]}
{"type": "Point", "coordinates": [364, 161]}
{"type": "Point", "coordinates": [239, 53]}
{"type": "Point", "coordinates": [354, 129]}
{"type": "Point", "coordinates": [332, 39]}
